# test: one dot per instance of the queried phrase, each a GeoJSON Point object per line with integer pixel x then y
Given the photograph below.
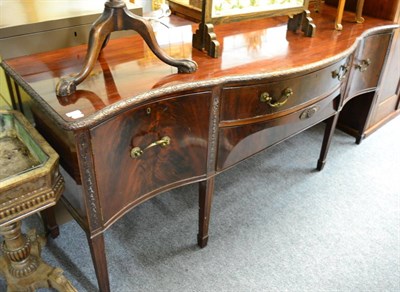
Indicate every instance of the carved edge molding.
{"type": "Point", "coordinates": [33, 204]}
{"type": "Point", "coordinates": [89, 183]}
{"type": "Point", "coordinates": [122, 105]}
{"type": "Point", "coordinates": [213, 130]}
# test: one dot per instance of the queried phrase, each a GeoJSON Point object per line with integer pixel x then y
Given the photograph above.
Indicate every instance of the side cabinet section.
{"type": "Point", "coordinates": [364, 82]}
{"type": "Point", "coordinates": [149, 149]}
{"type": "Point", "coordinates": [387, 101]}
{"type": "Point", "coordinates": [368, 63]}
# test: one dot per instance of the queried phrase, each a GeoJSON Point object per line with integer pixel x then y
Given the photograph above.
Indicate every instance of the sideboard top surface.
{"type": "Point", "coordinates": [128, 73]}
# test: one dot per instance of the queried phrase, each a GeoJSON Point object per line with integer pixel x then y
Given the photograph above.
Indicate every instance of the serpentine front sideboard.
{"type": "Point", "coordinates": [136, 128]}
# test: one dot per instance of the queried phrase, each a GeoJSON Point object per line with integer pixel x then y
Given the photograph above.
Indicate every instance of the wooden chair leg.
{"type": "Point", "coordinates": [359, 9]}
{"type": "Point", "coordinates": [97, 250]}
{"type": "Point", "coordinates": [339, 16]}
{"type": "Point", "coordinates": [206, 191]}
{"type": "Point", "coordinates": [50, 222]}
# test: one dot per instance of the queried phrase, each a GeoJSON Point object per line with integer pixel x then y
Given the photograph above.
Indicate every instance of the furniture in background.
{"type": "Point", "coordinates": [117, 17]}
{"type": "Point", "coordinates": [30, 26]}
{"type": "Point", "coordinates": [29, 182]}
{"type": "Point", "coordinates": [135, 129]}
{"type": "Point", "coordinates": [340, 9]}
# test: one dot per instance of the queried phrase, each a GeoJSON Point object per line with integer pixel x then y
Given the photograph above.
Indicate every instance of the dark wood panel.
{"type": "Point", "coordinates": [244, 102]}
{"type": "Point", "coordinates": [124, 181]}
{"type": "Point", "coordinates": [240, 142]}
{"type": "Point", "coordinates": [391, 75]}
{"type": "Point", "coordinates": [384, 109]}
{"type": "Point", "coordinates": [354, 115]}
{"type": "Point", "coordinates": [366, 75]}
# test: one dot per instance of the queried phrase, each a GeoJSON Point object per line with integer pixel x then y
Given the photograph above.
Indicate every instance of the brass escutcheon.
{"type": "Point", "coordinates": [163, 142]}
{"type": "Point", "coordinates": [308, 113]}
{"type": "Point", "coordinates": [265, 97]}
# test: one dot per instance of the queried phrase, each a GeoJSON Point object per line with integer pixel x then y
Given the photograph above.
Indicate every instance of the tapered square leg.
{"type": "Point", "coordinates": [97, 249]}
{"type": "Point", "coordinates": [206, 191]}
{"type": "Point", "coordinates": [329, 130]}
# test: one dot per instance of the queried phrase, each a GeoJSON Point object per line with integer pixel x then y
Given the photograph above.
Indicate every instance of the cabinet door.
{"type": "Point", "coordinates": [388, 94]}
{"type": "Point", "coordinates": [150, 149]}
{"type": "Point", "coordinates": [368, 64]}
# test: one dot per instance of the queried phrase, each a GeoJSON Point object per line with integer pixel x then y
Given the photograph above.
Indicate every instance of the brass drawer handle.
{"type": "Point", "coordinates": [341, 73]}
{"type": "Point", "coordinates": [265, 97]}
{"type": "Point", "coordinates": [363, 66]}
{"type": "Point", "coordinates": [163, 142]}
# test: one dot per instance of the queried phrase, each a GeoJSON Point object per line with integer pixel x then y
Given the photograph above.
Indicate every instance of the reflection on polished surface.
{"type": "Point", "coordinates": [256, 45]}
{"type": "Point", "coordinates": [260, 46]}
{"type": "Point", "coordinates": [111, 134]}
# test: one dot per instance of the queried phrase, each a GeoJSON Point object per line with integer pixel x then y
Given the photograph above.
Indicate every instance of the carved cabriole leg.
{"type": "Point", "coordinates": [94, 221]}
{"type": "Point", "coordinates": [116, 17]}
{"type": "Point", "coordinates": [206, 191]}
{"type": "Point", "coordinates": [98, 36]}
{"type": "Point", "coordinates": [329, 131]}
{"type": "Point", "coordinates": [144, 28]}
{"type": "Point", "coordinates": [22, 266]}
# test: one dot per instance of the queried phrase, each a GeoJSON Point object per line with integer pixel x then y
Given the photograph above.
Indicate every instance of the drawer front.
{"type": "Point", "coordinates": [239, 142]}
{"type": "Point", "coordinates": [269, 98]}
{"type": "Point", "coordinates": [368, 63]}
{"type": "Point", "coordinates": [148, 149]}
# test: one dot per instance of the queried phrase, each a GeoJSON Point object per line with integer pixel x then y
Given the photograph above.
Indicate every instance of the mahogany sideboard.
{"type": "Point", "coordinates": [136, 128]}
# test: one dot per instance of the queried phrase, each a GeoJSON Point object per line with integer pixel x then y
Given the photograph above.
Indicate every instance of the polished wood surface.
{"type": "Point", "coordinates": [127, 74]}
{"type": "Point", "coordinates": [369, 62]}
{"type": "Point", "coordinates": [183, 119]}
{"type": "Point", "coordinates": [243, 102]}
{"type": "Point", "coordinates": [240, 142]}
{"type": "Point", "coordinates": [112, 131]}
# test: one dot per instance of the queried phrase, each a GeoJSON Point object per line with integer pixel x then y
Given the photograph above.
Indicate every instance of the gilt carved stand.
{"type": "Point", "coordinates": [116, 17]}
{"type": "Point", "coordinates": [29, 182]}
{"type": "Point", "coordinates": [22, 266]}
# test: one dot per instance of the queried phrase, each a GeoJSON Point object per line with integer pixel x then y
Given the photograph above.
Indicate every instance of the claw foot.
{"type": "Point", "coordinates": [66, 86]}
{"type": "Point", "coordinates": [187, 66]}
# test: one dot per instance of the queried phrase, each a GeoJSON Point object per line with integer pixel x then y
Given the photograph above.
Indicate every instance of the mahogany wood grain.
{"type": "Point", "coordinates": [184, 119]}
{"type": "Point", "coordinates": [237, 143]}
{"type": "Point", "coordinates": [206, 191]}
{"type": "Point", "coordinates": [374, 49]}
{"type": "Point", "coordinates": [97, 250]}
{"type": "Point", "coordinates": [128, 71]}
{"type": "Point", "coordinates": [243, 102]}
{"type": "Point", "coordinates": [133, 99]}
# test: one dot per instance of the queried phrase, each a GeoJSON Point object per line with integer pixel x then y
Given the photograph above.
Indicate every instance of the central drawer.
{"type": "Point", "coordinates": [237, 143]}
{"type": "Point", "coordinates": [150, 149]}
{"type": "Point", "coordinates": [246, 102]}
